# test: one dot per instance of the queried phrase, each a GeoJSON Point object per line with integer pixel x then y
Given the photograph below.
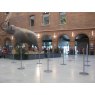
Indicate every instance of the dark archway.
{"type": "Point", "coordinates": [7, 42]}
{"type": "Point", "coordinates": [7, 45]}
{"type": "Point", "coordinates": [46, 41]}
{"type": "Point", "coordinates": [64, 42]}
{"type": "Point", "coordinates": [81, 41]}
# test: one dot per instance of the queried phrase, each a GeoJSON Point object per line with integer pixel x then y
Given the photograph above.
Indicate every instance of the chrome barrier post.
{"type": "Point", "coordinates": [87, 56]}
{"type": "Point", "coordinates": [48, 64]}
{"type": "Point", "coordinates": [84, 72]}
{"type": "Point", "coordinates": [39, 59]}
{"type": "Point", "coordinates": [21, 68]}
{"type": "Point", "coordinates": [63, 57]}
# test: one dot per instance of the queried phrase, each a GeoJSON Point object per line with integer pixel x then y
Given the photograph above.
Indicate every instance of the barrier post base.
{"type": "Point", "coordinates": [62, 64]}
{"type": "Point", "coordinates": [21, 68]}
{"type": "Point", "coordinates": [39, 63]}
{"type": "Point", "coordinates": [87, 61]}
{"type": "Point", "coordinates": [48, 71]}
{"type": "Point", "coordinates": [87, 65]}
{"type": "Point", "coordinates": [13, 62]}
{"type": "Point", "coordinates": [84, 73]}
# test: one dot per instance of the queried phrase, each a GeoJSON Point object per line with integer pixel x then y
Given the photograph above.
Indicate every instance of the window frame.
{"type": "Point", "coordinates": [33, 20]}
{"type": "Point", "coordinates": [43, 20]}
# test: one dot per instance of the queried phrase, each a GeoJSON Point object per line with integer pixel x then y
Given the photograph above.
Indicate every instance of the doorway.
{"type": "Point", "coordinates": [47, 42]}
{"type": "Point", "coordinates": [63, 42]}
{"type": "Point", "coordinates": [81, 41]}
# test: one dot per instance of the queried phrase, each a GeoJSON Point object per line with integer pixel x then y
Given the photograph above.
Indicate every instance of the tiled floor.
{"type": "Point", "coordinates": [34, 73]}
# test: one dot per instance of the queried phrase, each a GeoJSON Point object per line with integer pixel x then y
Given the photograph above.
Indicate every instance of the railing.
{"type": "Point", "coordinates": [33, 56]}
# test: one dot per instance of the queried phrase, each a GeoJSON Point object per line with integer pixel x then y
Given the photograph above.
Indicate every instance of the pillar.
{"type": "Point", "coordinates": [13, 42]}
{"type": "Point", "coordinates": [0, 43]}
{"type": "Point", "coordinates": [55, 40]}
{"type": "Point", "coordinates": [39, 41]}
{"type": "Point", "coordinates": [72, 46]}
{"type": "Point", "coordinates": [55, 43]}
{"type": "Point", "coordinates": [91, 46]}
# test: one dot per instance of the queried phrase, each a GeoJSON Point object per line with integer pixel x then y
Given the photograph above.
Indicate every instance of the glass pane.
{"type": "Point", "coordinates": [45, 19]}
{"type": "Point", "coordinates": [32, 20]}
{"type": "Point", "coordinates": [62, 18]}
